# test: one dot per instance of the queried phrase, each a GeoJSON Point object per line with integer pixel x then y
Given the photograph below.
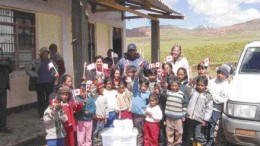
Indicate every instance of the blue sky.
{"type": "Point", "coordinates": [213, 13]}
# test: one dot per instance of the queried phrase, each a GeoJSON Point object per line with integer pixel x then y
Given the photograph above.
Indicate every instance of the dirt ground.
{"type": "Point", "coordinates": [27, 129]}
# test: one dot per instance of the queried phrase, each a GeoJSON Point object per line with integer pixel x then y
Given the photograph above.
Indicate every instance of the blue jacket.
{"type": "Point", "coordinates": [89, 106]}
{"type": "Point", "coordinates": [139, 99]}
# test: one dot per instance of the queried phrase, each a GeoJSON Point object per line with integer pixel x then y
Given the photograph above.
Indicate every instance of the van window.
{"type": "Point", "coordinates": [251, 61]}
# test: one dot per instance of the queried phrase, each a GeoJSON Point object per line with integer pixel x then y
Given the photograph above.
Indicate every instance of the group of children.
{"type": "Point", "coordinates": [166, 108]}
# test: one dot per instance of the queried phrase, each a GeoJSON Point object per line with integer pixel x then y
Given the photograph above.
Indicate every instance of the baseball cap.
{"type": "Point", "coordinates": [131, 47]}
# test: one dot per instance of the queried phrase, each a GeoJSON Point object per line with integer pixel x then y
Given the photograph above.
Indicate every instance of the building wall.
{"type": "Point", "coordinates": [48, 30]}
{"type": "Point", "coordinates": [53, 25]}
{"type": "Point", "coordinates": [111, 19]}
{"type": "Point", "coordinates": [102, 39]}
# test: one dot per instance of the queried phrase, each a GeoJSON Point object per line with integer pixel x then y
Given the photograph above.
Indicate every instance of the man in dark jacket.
{"type": "Point", "coordinates": [57, 58]}
{"type": "Point", "coordinates": [132, 58]}
{"type": "Point", "coordinates": [5, 70]}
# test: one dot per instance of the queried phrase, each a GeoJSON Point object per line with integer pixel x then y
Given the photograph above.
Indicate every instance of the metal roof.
{"type": "Point", "coordinates": [162, 6]}
{"type": "Point", "coordinates": [151, 9]}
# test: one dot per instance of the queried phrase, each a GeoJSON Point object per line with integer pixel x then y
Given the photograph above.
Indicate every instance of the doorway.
{"type": "Point", "coordinates": [117, 41]}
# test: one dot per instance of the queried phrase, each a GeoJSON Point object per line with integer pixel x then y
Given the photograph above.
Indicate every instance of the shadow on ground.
{"type": "Point", "coordinates": [27, 129]}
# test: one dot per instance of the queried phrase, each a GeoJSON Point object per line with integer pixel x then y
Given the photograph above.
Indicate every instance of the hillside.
{"type": "Point", "coordinates": [242, 28]}
{"type": "Point", "coordinates": [222, 44]}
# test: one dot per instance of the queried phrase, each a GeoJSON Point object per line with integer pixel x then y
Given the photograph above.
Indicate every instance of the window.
{"type": "Point", "coordinates": [250, 63]}
{"type": "Point", "coordinates": [17, 36]}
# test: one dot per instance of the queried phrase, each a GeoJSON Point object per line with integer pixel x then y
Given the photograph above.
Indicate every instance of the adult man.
{"type": "Point", "coordinates": [45, 75]}
{"type": "Point", "coordinates": [5, 70]}
{"type": "Point", "coordinates": [132, 58]}
{"type": "Point", "coordinates": [108, 60]}
{"type": "Point", "coordinates": [56, 57]}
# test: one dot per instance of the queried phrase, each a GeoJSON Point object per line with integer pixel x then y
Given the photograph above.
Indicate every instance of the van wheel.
{"type": "Point", "coordinates": [220, 137]}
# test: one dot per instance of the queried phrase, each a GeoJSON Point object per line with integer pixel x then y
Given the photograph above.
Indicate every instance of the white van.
{"type": "Point", "coordinates": [241, 116]}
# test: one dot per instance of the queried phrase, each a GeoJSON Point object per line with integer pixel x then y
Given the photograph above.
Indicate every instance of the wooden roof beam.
{"type": "Point", "coordinates": [167, 16]}
{"type": "Point", "coordinates": [132, 17]}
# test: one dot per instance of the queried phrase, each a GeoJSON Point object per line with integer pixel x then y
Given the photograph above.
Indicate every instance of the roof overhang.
{"type": "Point", "coordinates": [150, 9]}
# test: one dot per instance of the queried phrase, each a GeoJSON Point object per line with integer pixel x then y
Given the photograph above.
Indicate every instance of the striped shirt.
{"type": "Point", "coordinates": [175, 104]}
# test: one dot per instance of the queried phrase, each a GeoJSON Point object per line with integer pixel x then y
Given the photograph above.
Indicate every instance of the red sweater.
{"type": "Point", "coordinates": [71, 108]}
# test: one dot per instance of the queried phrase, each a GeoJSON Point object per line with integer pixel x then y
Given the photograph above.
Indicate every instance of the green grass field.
{"type": "Point", "coordinates": [196, 47]}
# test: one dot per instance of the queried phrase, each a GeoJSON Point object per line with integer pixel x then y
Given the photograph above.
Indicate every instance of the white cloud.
{"type": "Point", "coordinates": [249, 1]}
{"type": "Point", "coordinates": [225, 12]}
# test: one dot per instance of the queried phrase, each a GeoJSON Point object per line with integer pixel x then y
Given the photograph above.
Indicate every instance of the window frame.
{"type": "Point", "coordinates": [20, 54]}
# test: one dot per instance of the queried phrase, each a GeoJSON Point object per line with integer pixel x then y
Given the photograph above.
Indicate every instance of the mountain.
{"type": "Point", "coordinates": [245, 28]}
{"type": "Point", "coordinates": [203, 26]}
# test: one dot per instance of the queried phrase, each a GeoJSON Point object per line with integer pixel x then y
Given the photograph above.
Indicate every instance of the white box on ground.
{"type": "Point", "coordinates": [114, 137]}
{"type": "Point", "coordinates": [123, 124]}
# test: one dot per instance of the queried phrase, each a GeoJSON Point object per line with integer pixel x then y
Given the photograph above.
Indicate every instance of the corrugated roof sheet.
{"type": "Point", "coordinates": [162, 6]}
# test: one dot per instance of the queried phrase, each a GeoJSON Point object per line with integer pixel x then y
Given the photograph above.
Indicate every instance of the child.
{"type": "Point", "coordinates": [175, 112]}
{"type": "Point", "coordinates": [110, 93]}
{"type": "Point", "coordinates": [138, 105]}
{"type": "Point", "coordinates": [199, 112]}
{"type": "Point", "coordinates": [182, 75]}
{"type": "Point", "coordinates": [202, 71]}
{"type": "Point", "coordinates": [101, 115]}
{"type": "Point", "coordinates": [152, 77]}
{"type": "Point", "coordinates": [85, 117]}
{"type": "Point", "coordinates": [66, 80]}
{"type": "Point", "coordinates": [153, 115]}
{"type": "Point", "coordinates": [183, 78]}
{"type": "Point", "coordinates": [129, 77]}
{"type": "Point", "coordinates": [219, 90]}
{"type": "Point", "coordinates": [70, 107]}
{"type": "Point", "coordinates": [124, 98]}
{"type": "Point", "coordinates": [116, 77]}
{"type": "Point", "coordinates": [162, 104]}
{"type": "Point", "coordinates": [168, 74]}
{"type": "Point", "coordinates": [54, 117]}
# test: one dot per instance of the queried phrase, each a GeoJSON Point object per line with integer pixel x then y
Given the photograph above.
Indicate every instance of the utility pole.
{"type": "Point", "coordinates": [80, 37]}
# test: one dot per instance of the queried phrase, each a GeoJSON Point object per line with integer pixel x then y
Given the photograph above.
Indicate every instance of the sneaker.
{"type": "Point", "coordinates": [5, 130]}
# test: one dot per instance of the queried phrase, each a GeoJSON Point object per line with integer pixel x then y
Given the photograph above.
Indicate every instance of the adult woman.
{"type": "Point", "coordinates": [45, 77]}
{"type": "Point", "coordinates": [178, 60]}
{"type": "Point", "coordinates": [99, 72]}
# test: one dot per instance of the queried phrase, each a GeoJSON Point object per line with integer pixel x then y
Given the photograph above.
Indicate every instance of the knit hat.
{"type": "Point", "coordinates": [225, 69]}
{"type": "Point", "coordinates": [43, 49]}
{"type": "Point", "coordinates": [131, 47]}
{"type": "Point", "coordinates": [64, 89]}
